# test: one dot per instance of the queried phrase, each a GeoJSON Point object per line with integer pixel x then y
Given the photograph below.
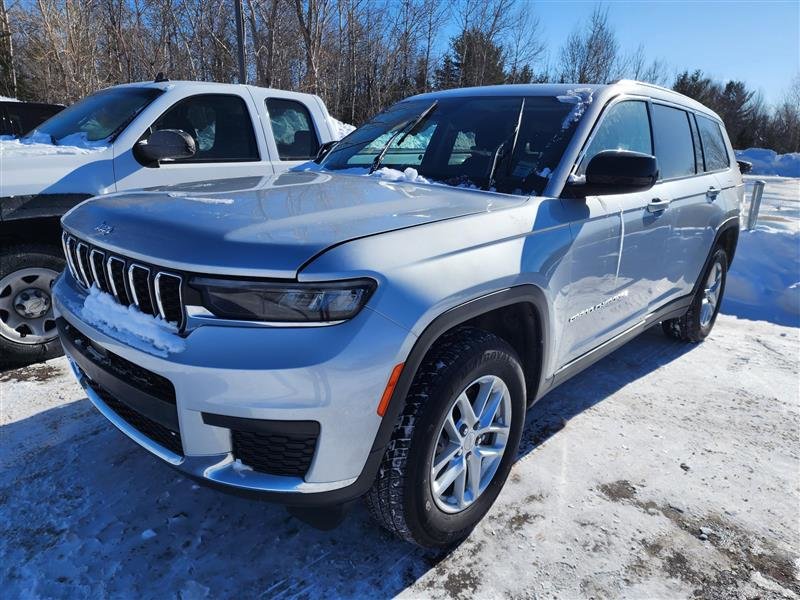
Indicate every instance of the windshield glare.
{"type": "Point", "coordinates": [457, 144]}
{"type": "Point", "coordinates": [97, 117]}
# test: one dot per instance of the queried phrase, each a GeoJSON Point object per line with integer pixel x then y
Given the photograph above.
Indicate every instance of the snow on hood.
{"type": "Point", "coordinates": [581, 98]}
{"type": "Point", "coordinates": [131, 326]}
{"type": "Point", "coordinates": [39, 144]}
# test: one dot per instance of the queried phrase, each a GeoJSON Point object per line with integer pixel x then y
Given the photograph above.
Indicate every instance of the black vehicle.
{"type": "Point", "coordinates": [18, 118]}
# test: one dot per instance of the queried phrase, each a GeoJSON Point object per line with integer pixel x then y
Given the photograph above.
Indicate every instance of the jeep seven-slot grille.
{"type": "Point", "coordinates": [152, 291]}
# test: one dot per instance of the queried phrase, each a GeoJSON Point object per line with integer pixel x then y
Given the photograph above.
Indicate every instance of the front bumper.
{"type": "Point", "coordinates": [331, 376]}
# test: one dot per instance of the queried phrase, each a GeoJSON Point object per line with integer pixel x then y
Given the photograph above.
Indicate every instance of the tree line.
{"type": "Point", "coordinates": [358, 55]}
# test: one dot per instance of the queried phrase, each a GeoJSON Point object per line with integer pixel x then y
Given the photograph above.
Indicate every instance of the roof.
{"type": "Point", "coordinates": [601, 92]}
{"type": "Point", "coordinates": [205, 85]}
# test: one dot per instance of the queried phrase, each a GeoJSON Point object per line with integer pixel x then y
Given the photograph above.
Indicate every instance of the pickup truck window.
{"type": "Point", "coordinates": [625, 127]}
{"type": "Point", "coordinates": [461, 138]}
{"type": "Point", "coordinates": [98, 117]}
{"type": "Point", "coordinates": [714, 150]}
{"type": "Point", "coordinates": [673, 141]}
{"type": "Point", "coordinates": [23, 117]}
{"type": "Point", "coordinates": [292, 129]}
{"type": "Point", "coordinates": [220, 125]}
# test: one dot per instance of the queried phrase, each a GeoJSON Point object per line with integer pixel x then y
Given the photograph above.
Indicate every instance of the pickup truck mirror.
{"type": "Point", "coordinates": [744, 166]}
{"type": "Point", "coordinates": [166, 144]}
{"type": "Point", "coordinates": [621, 172]}
{"type": "Point", "coordinates": [323, 151]}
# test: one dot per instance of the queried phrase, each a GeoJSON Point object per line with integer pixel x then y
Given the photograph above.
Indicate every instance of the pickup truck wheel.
{"type": "Point", "coordinates": [455, 441]}
{"type": "Point", "coordinates": [698, 321]}
{"type": "Point", "coordinates": [27, 323]}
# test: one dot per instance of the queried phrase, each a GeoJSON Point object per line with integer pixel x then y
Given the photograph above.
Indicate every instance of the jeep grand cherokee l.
{"type": "Point", "coordinates": [377, 324]}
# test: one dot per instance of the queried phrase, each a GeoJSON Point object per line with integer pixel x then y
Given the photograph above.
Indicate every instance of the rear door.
{"type": "Point", "coordinates": [684, 185]}
{"type": "Point", "coordinates": [222, 126]}
{"type": "Point", "coordinates": [294, 126]}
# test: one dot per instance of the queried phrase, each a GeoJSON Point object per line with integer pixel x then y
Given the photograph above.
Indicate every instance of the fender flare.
{"type": "Point", "coordinates": [524, 293]}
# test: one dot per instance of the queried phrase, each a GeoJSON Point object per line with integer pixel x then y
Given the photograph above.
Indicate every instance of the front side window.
{"type": "Point", "coordinates": [673, 142]}
{"type": "Point", "coordinates": [625, 127]}
{"type": "Point", "coordinates": [96, 119]}
{"type": "Point", "coordinates": [465, 141]}
{"type": "Point", "coordinates": [293, 129]}
{"type": "Point", "coordinates": [714, 148]}
{"type": "Point", "coordinates": [220, 125]}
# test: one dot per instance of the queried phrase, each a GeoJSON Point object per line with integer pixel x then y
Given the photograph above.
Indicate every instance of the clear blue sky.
{"type": "Point", "coordinates": [755, 41]}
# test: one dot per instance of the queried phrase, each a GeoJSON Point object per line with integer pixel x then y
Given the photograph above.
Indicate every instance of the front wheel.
{"type": "Point", "coordinates": [455, 442]}
{"type": "Point", "coordinates": [698, 321]}
{"type": "Point", "coordinates": [27, 324]}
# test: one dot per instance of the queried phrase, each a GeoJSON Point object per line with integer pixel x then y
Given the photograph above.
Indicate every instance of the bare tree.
{"type": "Point", "coordinates": [8, 70]}
{"type": "Point", "coordinates": [591, 53]}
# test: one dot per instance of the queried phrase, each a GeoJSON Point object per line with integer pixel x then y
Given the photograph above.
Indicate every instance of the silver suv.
{"type": "Point", "coordinates": [377, 323]}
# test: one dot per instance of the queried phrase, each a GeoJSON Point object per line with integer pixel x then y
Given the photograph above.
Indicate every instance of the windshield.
{"type": "Point", "coordinates": [97, 117]}
{"type": "Point", "coordinates": [469, 142]}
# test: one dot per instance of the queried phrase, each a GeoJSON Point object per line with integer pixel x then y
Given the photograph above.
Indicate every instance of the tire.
{"type": "Point", "coordinates": [402, 498]}
{"type": "Point", "coordinates": [22, 268]}
{"type": "Point", "coordinates": [699, 320]}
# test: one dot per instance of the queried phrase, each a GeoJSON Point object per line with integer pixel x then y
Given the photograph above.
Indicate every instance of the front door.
{"type": "Point", "coordinates": [619, 247]}
{"type": "Point", "coordinates": [222, 128]}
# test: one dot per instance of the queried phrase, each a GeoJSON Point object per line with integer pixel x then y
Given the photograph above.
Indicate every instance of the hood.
{"type": "Point", "coordinates": [266, 227]}
{"type": "Point", "coordinates": [34, 169]}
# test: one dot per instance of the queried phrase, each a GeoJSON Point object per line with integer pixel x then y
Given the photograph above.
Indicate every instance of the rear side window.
{"type": "Point", "coordinates": [625, 127]}
{"type": "Point", "coordinates": [673, 142]}
{"type": "Point", "coordinates": [714, 149]}
{"type": "Point", "coordinates": [293, 129]}
{"type": "Point", "coordinates": [220, 125]}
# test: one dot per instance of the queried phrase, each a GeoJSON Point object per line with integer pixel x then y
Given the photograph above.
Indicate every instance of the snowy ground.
{"type": "Point", "coordinates": [664, 471]}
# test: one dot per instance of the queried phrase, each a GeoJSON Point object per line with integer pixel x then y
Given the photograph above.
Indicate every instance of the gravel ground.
{"type": "Point", "coordinates": [664, 471]}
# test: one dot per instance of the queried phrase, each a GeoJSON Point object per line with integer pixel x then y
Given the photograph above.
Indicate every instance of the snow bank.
{"type": "Point", "coordinates": [38, 144]}
{"type": "Point", "coordinates": [769, 162]}
{"type": "Point", "coordinates": [764, 280]}
{"type": "Point", "coordinates": [131, 326]}
{"type": "Point", "coordinates": [340, 129]}
{"type": "Point", "coordinates": [581, 98]}
{"type": "Point", "coordinates": [7, 99]}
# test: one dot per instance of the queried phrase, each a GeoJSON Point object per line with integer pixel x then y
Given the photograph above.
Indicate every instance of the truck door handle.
{"type": "Point", "coordinates": [712, 193]}
{"type": "Point", "coordinates": [658, 205]}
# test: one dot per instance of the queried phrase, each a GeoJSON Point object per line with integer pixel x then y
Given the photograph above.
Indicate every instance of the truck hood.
{"type": "Point", "coordinates": [36, 169]}
{"type": "Point", "coordinates": [264, 227]}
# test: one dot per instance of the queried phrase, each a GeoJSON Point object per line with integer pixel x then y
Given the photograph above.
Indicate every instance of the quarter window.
{"type": "Point", "coordinates": [220, 125]}
{"type": "Point", "coordinates": [674, 144]}
{"type": "Point", "coordinates": [625, 127]}
{"type": "Point", "coordinates": [293, 129]}
{"type": "Point", "coordinates": [714, 148]}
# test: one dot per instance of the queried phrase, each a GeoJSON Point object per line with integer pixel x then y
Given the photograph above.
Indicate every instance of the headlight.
{"type": "Point", "coordinates": [284, 302]}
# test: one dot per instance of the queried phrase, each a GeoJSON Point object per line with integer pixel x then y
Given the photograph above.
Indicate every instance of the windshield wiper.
{"type": "Point", "coordinates": [413, 126]}
{"type": "Point", "coordinates": [511, 138]}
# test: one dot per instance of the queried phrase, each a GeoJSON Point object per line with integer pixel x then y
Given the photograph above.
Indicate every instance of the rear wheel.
{"type": "Point", "coordinates": [698, 321]}
{"type": "Point", "coordinates": [27, 323]}
{"type": "Point", "coordinates": [455, 442]}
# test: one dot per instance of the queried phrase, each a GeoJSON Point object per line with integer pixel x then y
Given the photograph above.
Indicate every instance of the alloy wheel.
{"type": "Point", "coordinates": [471, 444]}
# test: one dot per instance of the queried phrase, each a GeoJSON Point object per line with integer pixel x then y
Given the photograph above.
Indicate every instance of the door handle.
{"type": "Point", "coordinates": [712, 193]}
{"type": "Point", "coordinates": [658, 205]}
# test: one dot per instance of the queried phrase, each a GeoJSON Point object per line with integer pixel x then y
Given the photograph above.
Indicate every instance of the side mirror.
{"type": "Point", "coordinates": [744, 166]}
{"type": "Point", "coordinates": [166, 144]}
{"type": "Point", "coordinates": [621, 172]}
{"type": "Point", "coordinates": [324, 150]}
